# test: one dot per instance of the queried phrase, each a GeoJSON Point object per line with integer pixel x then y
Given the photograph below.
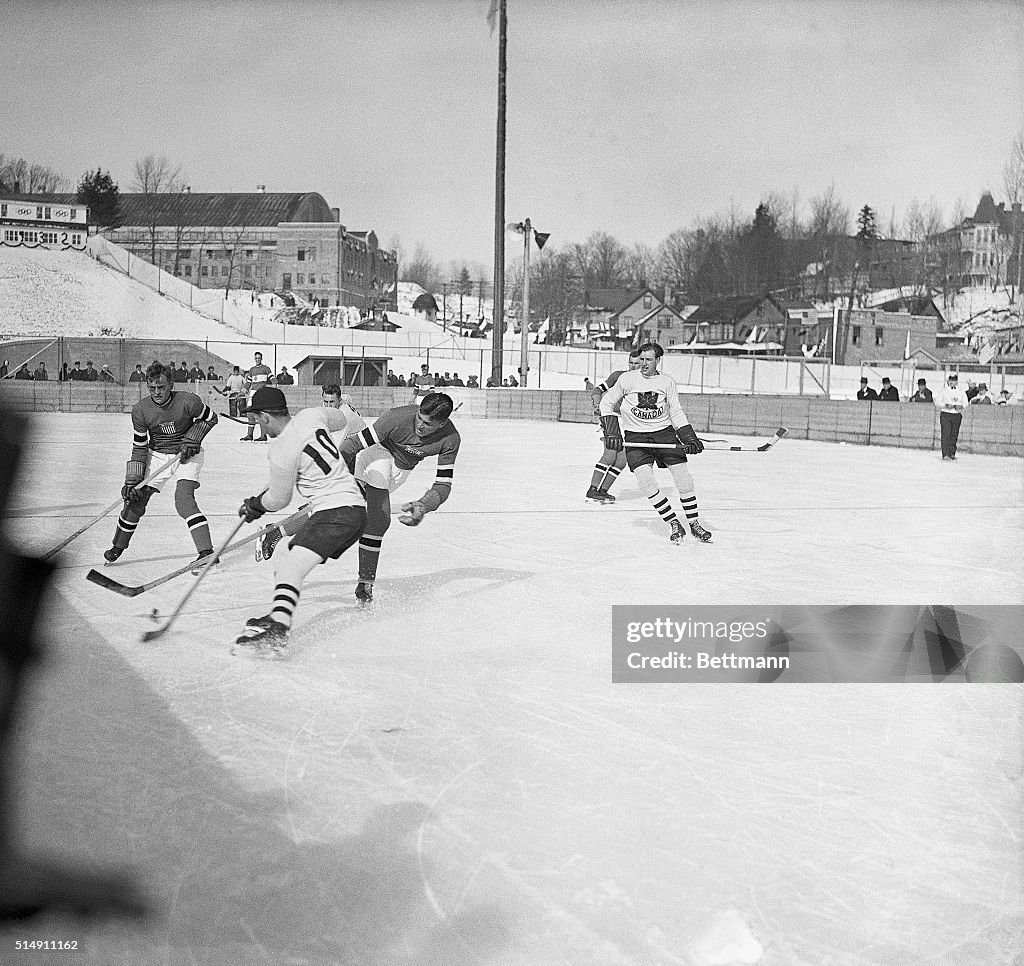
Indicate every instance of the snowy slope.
{"type": "Point", "coordinates": [67, 293]}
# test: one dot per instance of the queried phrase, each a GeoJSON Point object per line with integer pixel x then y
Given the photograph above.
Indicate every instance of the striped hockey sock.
{"type": "Point", "coordinates": [286, 599]}
{"type": "Point", "coordinates": [369, 556]}
{"type": "Point", "coordinates": [611, 474]}
{"type": "Point", "coordinates": [664, 508]}
{"type": "Point", "coordinates": [689, 504]}
{"type": "Point", "coordinates": [125, 530]}
{"type": "Point", "coordinates": [200, 529]}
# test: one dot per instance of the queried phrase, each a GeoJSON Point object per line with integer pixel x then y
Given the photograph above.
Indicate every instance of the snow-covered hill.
{"type": "Point", "coordinates": [53, 293]}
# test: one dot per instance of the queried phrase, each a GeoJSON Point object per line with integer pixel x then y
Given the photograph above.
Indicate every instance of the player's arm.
{"type": "Point", "coordinates": [140, 438]}
{"type": "Point", "coordinates": [609, 421]}
{"type": "Point", "coordinates": [204, 420]}
{"type": "Point", "coordinates": [276, 496]}
{"type": "Point", "coordinates": [414, 512]}
{"type": "Point", "coordinates": [684, 431]}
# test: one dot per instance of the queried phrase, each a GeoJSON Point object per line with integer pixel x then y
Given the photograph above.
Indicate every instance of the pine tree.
{"type": "Point", "coordinates": [867, 229]}
{"type": "Point", "coordinates": [101, 194]}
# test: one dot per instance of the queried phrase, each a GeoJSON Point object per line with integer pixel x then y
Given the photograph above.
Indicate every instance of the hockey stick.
{"type": "Point", "coordinates": [211, 560]}
{"type": "Point", "coordinates": [113, 506]}
{"type": "Point", "coordinates": [108, 583]}
{"type": "Point", "coordinates": [757, 448]}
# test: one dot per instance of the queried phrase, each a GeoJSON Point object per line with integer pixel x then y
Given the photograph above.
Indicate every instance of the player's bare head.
{"type": "Point", "coordinates": [433, 413]}
{"type": "Point", "coordinates": [160, 382]}
{"type": "Point", "coordinates": [258, 356]}
{"type": "Point", "coordinates": [634, 359]}
{"type": "Point", "coordinates": [332, 395]}
{"type": "Point", "coordinates": [425, 368]}
{"type": "Point", "coordinates": [650, 354]}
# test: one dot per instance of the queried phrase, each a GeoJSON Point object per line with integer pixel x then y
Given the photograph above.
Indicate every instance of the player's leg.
{"type": "Point", "coordinates": [195, 519]}
{"type": "Point", "coordinates": [127, 522]}
{"type": "Point", "coordinates": [326, 534]}
{"type": "Point", "coordinates": [643, 470]}
{"type": "Point", "coordinates": [688, 498]}
{"type": "Point", "coordinates": [378, 520]}
{"type": "Point", "coordinates": [377, 476]}
{"type": "Point", "coordinates": [954, 433]}
{"type": "Point", "coordinates": [606, 471]}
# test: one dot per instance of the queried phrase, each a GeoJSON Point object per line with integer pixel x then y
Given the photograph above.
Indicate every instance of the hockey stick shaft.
{"type": "Point", "coordinates": [107, 583]}
{"type": "Point", "coordinates": [100, 516]}
{"type": "Point", "coordinates": [756, 448]}
{"type": "Point", "coordinates": [160, 631]}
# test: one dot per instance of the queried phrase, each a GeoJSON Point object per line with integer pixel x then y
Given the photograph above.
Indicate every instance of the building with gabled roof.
{"type": "Point", "coordinates": [278, 241]}
{"type": "Point", "coordinates": [613, 313]}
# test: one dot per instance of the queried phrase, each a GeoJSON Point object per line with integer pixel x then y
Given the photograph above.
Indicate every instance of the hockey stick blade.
{"type": "Point", "coordinates": [779, 433]}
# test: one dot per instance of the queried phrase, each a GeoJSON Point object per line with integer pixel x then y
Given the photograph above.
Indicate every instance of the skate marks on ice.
{"type": "Point", "coordinates": [230, 884]}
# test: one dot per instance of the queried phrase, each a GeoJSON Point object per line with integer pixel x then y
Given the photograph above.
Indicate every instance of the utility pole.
{"type": "Point", "coordinates": [499, 201]}
{"type": "Point", "coordinates": [444, 306]}
{"type": "Point", "coordinates": [528, 232]}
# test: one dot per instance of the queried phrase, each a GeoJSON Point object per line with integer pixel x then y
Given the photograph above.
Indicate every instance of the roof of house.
{"type": "Point", "coordinates": [731, 308]}
{"type": "Point", "coordinates": [248, 209]}
{"type": "Point", "coordinates": [425, 302]}
{"type": "Point", "coordinates": [614, 300]}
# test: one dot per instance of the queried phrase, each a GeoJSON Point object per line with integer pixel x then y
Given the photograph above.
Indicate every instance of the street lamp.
{"type": "Point", "coordinates": [525, 229]}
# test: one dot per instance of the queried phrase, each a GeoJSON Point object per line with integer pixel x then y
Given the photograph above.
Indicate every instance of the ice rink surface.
{"type": "Point", "coordinates": [452, 778]}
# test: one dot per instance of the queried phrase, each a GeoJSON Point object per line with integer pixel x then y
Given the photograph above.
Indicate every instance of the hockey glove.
{"type": "Point", "coordinates": [187, 451]}
{"type": "Point", "coordinates": [131, 492]}
{"type": "Point", "coordinates": [413, 514]}
{"type": "Point", "coordinates": [688, 440]}
{"type": "Point", "coordinates": [612, 433]}
{"type": "Point", "coordinates": [251, 509]}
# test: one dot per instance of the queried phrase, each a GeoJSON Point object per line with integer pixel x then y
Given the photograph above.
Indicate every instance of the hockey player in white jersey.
{"type": "Point", "coordinates": [647, 403]}
{"type": "Point", "coordinates": [303, 456]}
{"type": "Point", "coordinates": [333, 398]}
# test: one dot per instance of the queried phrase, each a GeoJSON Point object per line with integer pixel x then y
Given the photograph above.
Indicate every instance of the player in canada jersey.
{"type": "Point", "coordinates": [303, 456]}
{"type": "Point", "coordinates": [169, 423]}
{"type": "Point", "coordinates": [333, 398]}
{"type": "Point", "coordinates": [258, 375]}
{"type": "Point", "coordinates": [657, 433]}
{"type": "Point", "coordinates": [612, 462]}
{"type": "Point", "coordinates": [383, 455]}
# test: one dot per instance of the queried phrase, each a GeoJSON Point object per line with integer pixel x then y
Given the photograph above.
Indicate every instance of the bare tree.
{"type": "Point", "coordinates": [161, 177]}
{"type": "Point", "coordinates": [641, 266]}
{"type": "Point", "coordinates": [423, 270]}
{"type": "Point", "coordinates": [1013, 182]}
{"type": "Point", "coordinates": [606, 261]}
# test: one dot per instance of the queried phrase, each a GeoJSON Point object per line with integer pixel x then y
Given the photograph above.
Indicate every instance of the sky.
{"type": "Point", "coordinates": [634, 118]}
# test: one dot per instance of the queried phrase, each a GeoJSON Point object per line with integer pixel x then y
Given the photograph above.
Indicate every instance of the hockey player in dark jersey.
{"type": "Point", "coordinates": [381, 458]}
{"type": "Point", "coordinates": [168, 423]}
{"type": "Point", "coordinates": [612, 462]}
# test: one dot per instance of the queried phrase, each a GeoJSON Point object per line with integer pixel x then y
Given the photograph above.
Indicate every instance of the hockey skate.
{"type": "Point", "coordinates": [699, 532]}
{"type": "Point", "coordinates": [599, 496]}
{"type": "Point", "coordinates": [263, 635]}
{"type": "Point", "coordinates": [200, 562]}
{"type": "Point", "coordinates": [113, 553]}
{"type": "Point", "coordinates": [677, 534]}
{"type": "Point", "coordinates": [267, 541]}
{"type": "Point", "coordinates": [364, 593]}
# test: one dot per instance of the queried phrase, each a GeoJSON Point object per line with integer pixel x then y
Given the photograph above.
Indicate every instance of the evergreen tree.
{"type": "Point", "coordinates": [101, 194]}
{"type": "Point", "coordinates": [867, 230]}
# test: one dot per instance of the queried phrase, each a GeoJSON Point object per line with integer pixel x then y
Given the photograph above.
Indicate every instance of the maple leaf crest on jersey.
{"type": "Point", "coordinates": [647, 406]}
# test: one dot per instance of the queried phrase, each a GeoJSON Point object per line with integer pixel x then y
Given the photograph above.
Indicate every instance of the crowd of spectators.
{"type": "Point", "coordinates": [977, 393]}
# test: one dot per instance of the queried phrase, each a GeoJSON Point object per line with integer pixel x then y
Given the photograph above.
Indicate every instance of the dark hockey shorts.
{"type": "Point", "coordinates": [329, 533]}
{"type": "Point", "coordinates": [656, 455]}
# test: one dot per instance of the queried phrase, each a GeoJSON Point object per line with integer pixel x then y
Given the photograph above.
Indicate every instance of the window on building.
{"type": "Point", "coordinates": [855, 335]}
{"type": "Point", "coordinates": [300, 279]}
{"type": "Point", "coordinates": [248, 253]}
{"type": "Point", "coordinates": [879, 336]}
{"type": "Point", "coordinates": [312, 254]}
{"type": "Point", "coordinates": [647, 301]}
{"type": "Point", "coordinates": [209, 253]}
{"type": "Point", "coordinates": [301, 257]}
{"type": "Point", "coordinates": [205, 270]}
{"type": "Point", "coordinates": [188, 271]}
{"type": "Point", "coordinates": [286, 281]}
